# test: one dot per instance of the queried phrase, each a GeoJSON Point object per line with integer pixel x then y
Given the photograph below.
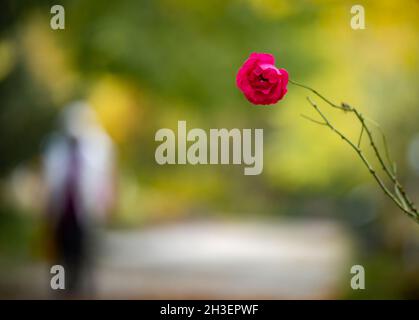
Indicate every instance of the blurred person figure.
{"type": "Point", "coordinates": [79, 173]}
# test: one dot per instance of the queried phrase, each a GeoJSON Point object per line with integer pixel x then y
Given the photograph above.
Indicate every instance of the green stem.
{"type": "Point", "coordinates": [399, 197]}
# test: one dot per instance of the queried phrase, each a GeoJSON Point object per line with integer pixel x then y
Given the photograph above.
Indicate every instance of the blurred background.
{"type": "Point", "coordinates": [185, 231]}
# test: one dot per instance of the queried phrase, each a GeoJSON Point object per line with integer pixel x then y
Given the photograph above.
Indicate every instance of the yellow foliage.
{"type": "Point", "coordinates": [118, 106]}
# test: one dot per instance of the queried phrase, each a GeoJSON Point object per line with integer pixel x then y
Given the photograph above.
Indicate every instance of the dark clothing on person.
{"type": "Point", "coordinates": [70, 232]}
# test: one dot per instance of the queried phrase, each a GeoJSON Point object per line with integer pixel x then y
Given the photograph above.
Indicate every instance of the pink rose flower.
{"type": "Point", "coordinates": [260, 81]}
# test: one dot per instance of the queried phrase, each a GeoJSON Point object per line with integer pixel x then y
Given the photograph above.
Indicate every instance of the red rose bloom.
{"type": "Point", "coordinates": [260, 81]}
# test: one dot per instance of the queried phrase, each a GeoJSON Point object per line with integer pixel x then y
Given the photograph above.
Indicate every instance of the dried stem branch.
{"type": "Point", "coordinates": [398, 196]}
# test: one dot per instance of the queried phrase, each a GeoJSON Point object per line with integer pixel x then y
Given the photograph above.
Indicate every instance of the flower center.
{"type": "Point", "coordinates": [262, 78]}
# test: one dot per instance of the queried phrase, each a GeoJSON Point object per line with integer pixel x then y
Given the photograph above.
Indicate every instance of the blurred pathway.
{"type": "Point", "coordinates": [271, 260]}
{"type": "Point", "coordinates": [226, 260]}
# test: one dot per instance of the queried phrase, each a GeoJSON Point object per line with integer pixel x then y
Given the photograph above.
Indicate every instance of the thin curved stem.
{"type": "Point", "coordinates": [341, 107]}
{"type": "Point", "coordinates": [399, 197]}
